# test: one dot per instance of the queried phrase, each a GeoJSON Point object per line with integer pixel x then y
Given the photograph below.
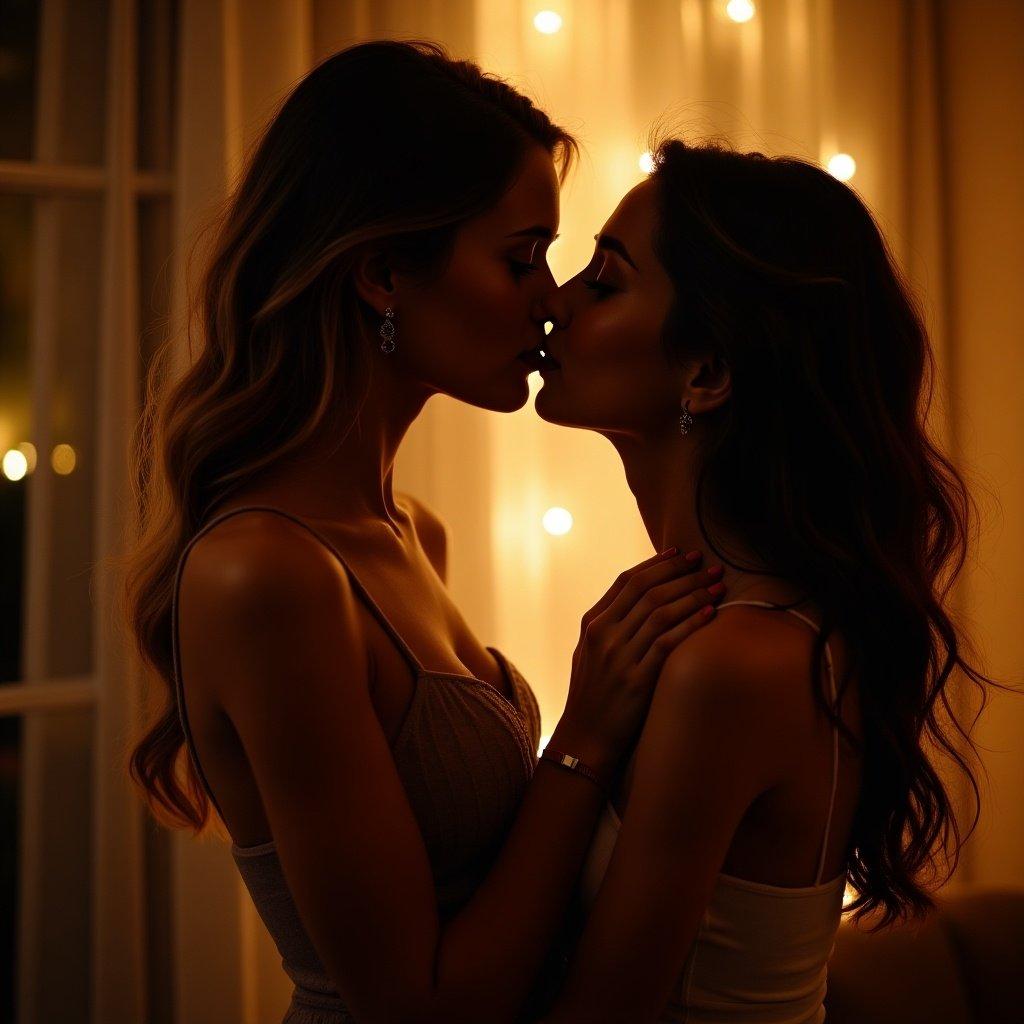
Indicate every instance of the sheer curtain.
{"type": "Point", "coordinates": [926, 96]}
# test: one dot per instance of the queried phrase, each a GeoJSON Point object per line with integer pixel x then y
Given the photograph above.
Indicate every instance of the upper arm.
{"type": "Point", "coordinates": [705, 753]}
{"type": "Point", "coordinates": [276, 620]}
{"type": "Point", "coordinates": [432, 533]}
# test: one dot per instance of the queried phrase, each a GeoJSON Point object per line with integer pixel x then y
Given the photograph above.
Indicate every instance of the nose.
{"type": "Point", "coordinates": [555, 307]}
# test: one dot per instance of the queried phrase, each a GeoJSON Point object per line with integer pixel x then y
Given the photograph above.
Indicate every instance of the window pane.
{"type": "Point", "coordinates": [72, 408]}
{"type": "Point", "coordinates": [75, 68]}
{"type": "Point", "coordinates": [15, 300]}
{"type": "Point", "coordinates": [46, 864]}
{"type": "Point", "coordinates": [19, 44]}
{"type": "Point", "coordinates": [157, 40]}
{"type": "Point", "coordinates": [49, 313]}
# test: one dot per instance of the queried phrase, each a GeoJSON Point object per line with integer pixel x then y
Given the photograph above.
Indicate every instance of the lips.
{"type": "Point", "coordinates": [537, 359]}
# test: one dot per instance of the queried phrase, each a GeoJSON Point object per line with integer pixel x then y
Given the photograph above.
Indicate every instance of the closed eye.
{"type": "Point", "coordinates": [520, 269]}
{"type": "Point", "coordinates": [600, 287]}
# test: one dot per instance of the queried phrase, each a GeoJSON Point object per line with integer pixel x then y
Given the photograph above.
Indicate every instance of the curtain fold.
{"type": "Point", "coordinates": [925, 94]}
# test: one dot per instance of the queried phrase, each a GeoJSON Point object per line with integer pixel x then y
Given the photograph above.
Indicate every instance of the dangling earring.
{"type": "Point", "coordinates": [387, 331]}
{"type": "Point", "coordinates": [685, 420]}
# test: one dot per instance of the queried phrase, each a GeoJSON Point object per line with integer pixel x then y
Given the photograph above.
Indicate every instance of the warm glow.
{"type": "Point", "coordinates": [646, 161]}
{"type": "Point", "coordinates": [548, 326]}
{"type": "Point", "coordinates": [28, 449]}
{"type": "Point", "coordinates": [63, 459]}
{"type": "Point", "coordinates": [15, 464]}
{"type": "Point", "coordinates": [547, 22]}
{"type": "Point", "coordinates": [557, 521]}
{"type": "Point", "coordinates": [544, 741]}
{"type": "Point", "coordinates": [842, 166]}
{"type": "Point", "coordinates": [849, 895]}
{"type": "Point", "coordinates": [740, 10]}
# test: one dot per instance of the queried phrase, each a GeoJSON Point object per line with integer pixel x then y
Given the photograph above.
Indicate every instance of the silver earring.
{"type": "Point", "coordinates": [685, 420]}
{"type": "Point", "coordinates": [387, 331]}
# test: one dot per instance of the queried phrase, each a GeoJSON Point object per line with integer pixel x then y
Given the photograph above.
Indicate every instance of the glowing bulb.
{"type": "Point", "coordinates": [548, 326]}
{"type": "Point", "coordinates": [842, 166]}
{"type": "Point", "coordinates": [28, 449]}
{"type": "Point", "coordinates": [15, 464]}
{"type": "Point", "coordinates": [557, 521]}
{"type": "Point", "coordinates": [63, 459]}
{"type": "Point", "coordinates": [646, 161]}
{"type": "Point", "coordinates": [740, 10]}
{"type": "Point", "coordinates": [548, 22]}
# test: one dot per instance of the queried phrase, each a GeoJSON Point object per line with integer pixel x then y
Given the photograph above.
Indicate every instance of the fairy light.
{"type": "Point", "coordinates": [547, 22]}
{"type": "Point", "coordinates": [557, 521]}
{"type": "Point", "coordinates": [15, 465]}
{"type": "Point", "coordinates": [842, 166]}
{"type": "Point", "coordinates": [63, 459]}
{"type": "Point", "coordinates": [28, 449]}
{"type": "Point", "coordinates": [740, 10]}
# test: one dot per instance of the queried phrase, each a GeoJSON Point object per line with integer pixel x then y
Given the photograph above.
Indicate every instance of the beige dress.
{"type": "Point", "coordinates": [465, 755]}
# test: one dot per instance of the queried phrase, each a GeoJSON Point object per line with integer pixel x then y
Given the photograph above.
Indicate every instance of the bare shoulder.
{"type": "Point", "coordinates": [430, 529]}
{"type": "Point", "coordinates": [746, 660]}
{"type": "Point", "coordinates": [260, 559]}
{"type": "Point", "coordinates": [261, 588]}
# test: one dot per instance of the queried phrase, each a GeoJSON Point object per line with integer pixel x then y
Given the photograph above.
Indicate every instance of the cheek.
{"type": "Point", "coordinates": [618, 335]}
{"type": "Point", "coordinates": [615, 373]}
{"type": "Point", "coordinates": [477, 315]}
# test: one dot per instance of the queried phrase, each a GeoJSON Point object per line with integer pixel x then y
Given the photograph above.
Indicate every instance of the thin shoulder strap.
{"type": "Point", "coordinates": [356, 582]}
{"type": "Point", "coordinates": [835, 728]}
{"type": "Point", "coordinates": [176, 654]}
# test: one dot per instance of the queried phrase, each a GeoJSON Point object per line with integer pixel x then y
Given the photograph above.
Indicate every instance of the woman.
{"type": "Point", "coordinates": [744, 340]}
{"type": "Point", "coordinates": [372, 761]}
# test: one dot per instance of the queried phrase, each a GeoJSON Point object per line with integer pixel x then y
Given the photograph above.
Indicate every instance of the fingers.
{"type": "Point", "coordinates": [640, 583]}
{"type": "Point", "coordinates": [664, 620]}
{"type": "Point", "coordinates": [662, 557]}
{"type": "Point", "coordinates": [662, 594]}
{"type": "Point", "coordinates": [650, 665]}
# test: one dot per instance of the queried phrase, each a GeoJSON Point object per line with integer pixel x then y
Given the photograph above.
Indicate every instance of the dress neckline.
{"type": "Point", "coordinates": [507, 670]}
{"type": "Point", "coordinates": [748, 883]}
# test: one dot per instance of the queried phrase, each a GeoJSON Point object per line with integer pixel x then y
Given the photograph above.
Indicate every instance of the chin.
{"type": "Point", "coordinates": [546, 406]}
{"type": "Point", "coordinates": [504, 399]}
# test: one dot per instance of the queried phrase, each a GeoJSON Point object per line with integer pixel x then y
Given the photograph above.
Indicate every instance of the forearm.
{"type": "Point", "coordinates": [491, 953]}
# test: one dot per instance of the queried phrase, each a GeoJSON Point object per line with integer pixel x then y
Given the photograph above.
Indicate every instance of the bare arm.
{"type": "Point", "coordinates": [714, 740]}
{"type": "Point", "coordinates": [284, 646]}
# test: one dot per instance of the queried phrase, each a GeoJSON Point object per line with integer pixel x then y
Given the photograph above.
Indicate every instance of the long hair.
{"type": "Point", "coordinates": [389, 143]}
{"type": "Point", "coordinates": [822, 464]}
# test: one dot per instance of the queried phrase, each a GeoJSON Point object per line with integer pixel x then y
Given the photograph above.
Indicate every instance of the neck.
{"type": "Point", "coordinates": [347, 474]}
{"type": "Point", "coordinates": [661, 473]}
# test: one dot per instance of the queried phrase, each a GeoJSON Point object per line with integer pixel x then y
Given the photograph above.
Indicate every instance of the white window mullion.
{"type": "Point", "coordinates": [118, 954]}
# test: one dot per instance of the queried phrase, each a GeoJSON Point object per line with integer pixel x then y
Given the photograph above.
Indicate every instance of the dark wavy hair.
{"type": "Point", "coordinates": [395, 144]}
{"type": "Point", "coordinates": [822, 464]}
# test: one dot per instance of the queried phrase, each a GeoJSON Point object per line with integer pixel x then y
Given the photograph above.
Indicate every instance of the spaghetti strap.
{"type": "Point", "coordinates": [835, 728]}
{"type": "Point", "coordinates": [356, 582]}
{"type": "Point", "coordinates": [176, 655]}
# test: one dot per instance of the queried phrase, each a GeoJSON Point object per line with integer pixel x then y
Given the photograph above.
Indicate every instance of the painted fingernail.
{"type": "Point", "coordinates": [692, 556]}
{"type": "Point", "coordinates": [716, 588]}
{"type": "Point", "coordinates": [708, 610]}
{"type": "Point", "coordinates": [715, 570]}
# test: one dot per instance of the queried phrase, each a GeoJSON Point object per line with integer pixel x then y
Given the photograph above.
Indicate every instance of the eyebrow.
{"type": "Point", "coordinates": [539, 230]}
{"type": "Point", "coordinates": [610, 242]}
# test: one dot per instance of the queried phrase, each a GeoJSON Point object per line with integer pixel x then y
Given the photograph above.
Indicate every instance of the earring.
{"type": "Point", "coordinates": [387, 331]}
{"type": "Point", "coordinates": [685, 420]}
